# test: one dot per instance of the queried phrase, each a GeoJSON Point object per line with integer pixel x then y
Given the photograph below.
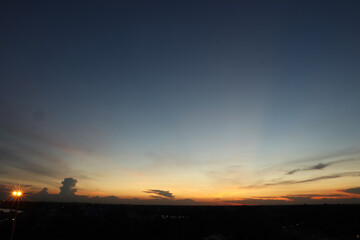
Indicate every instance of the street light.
{"type": "Point", "coordinates": [17, 195]}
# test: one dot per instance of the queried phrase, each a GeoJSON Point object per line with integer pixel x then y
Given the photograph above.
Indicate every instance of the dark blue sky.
{"type": "Point", "coordinates": [201, 84]}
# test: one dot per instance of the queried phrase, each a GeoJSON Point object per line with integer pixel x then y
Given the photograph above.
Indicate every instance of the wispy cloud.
{"type": "Point", "coordinates": [317, 168]}
{"type": "Point", "coordinates": [159, 193]}
{"type": "Point", "coordinates": [298, 199]}
{"type": "Point", "coordinates": [338, 175]}
{"type": "Point", "coordinates": [314, 167]}
{"type": "Point", "coordinates": [352, 190]}
{"type": "Point", "coordinates": [339, 156]}
{"type": "Point", "coordinates": [343, 153]}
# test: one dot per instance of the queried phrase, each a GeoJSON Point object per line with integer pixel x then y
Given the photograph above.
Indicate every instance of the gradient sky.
{"type": "Point", "coordinates": [214, 101]}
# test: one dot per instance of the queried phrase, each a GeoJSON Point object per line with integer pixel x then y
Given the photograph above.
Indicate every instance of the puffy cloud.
{"type": "Point", "coordinates": [43, 195]}
{"type": "Point", "coordinates": [67, 189]}
{"type": "Point", "coordinates": [44, 191]}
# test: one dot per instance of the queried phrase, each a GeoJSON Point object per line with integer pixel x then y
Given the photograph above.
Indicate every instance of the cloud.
{"type": "Point", "coordinates": [44, 191]}
{"type": "Point", "coordinates": [158, 197]}
{"type": "Point", "coordinates": [255, 201]}
{"type": "Point", "coordinates": [314, 167]}
{"type": "Point", "coordinates": [340, 156]}
{"type": "Point", "coordinates": [338, 175]}
{"type": "Point", "coordinates": [298, 199]}
{"type": "Point", "coordinates": [159, 193]}
{"type": "Point", "coordinates": [43, 195]}
{"type": "Point", "coordinates": [328, 156]}
{"type": "Point", "coordinates": [136, 201]}
{"type": "Point", "coordinates": [285, 173]}
{"type": "Point", "coordinates": [352, 190]}
{"type": "Point", "coordinates": [291, 196]}
{"type": "Point", "coordinates": [67, 189]}
{"type": "Point", "coordinates": [68, 194]}
{"type": "Point", "coordinates": [293, 171]}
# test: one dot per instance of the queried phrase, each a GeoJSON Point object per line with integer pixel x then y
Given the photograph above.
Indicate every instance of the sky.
{"type": "Point", "coordinates": [181, 102]}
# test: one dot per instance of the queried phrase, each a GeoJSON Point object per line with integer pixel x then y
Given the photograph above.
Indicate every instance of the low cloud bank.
{"type": "Point", "coordinates": [68, 194]}
{"type": "Point", "coordinates": [299, 199]}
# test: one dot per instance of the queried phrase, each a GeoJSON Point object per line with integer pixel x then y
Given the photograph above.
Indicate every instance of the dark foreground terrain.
{"type": "Point", "coordinates": [96, 221]}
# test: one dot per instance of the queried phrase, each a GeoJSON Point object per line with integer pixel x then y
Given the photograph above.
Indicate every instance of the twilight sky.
{"type": "Point", "coordinates": [221, 102]}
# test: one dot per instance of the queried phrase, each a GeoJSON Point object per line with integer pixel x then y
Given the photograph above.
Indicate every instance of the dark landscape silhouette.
{"type": "Point", "coordinates": [44, 220]}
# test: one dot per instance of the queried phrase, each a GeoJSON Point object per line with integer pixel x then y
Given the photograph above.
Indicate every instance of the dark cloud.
{"type": "Point", "coordinates": [68, 194]}
{"type": "Point", "coordinates": [338, 175]}
{"type": "Point", "coordinates": [315, 167]}
{"type": "Point", "coordinates": [298, 199]}
{"type": "Point", "coordinates": [314, 195]}
{"type": "Point", "coordinates": [68, 187]}
{"type": "Point", "coordinates": [159, 193]}
{"type": "Point", "coordinates": [327, 157]}
{"type": "Point", "coordinates": [43, 195]}
{"type": "Point", "coordinates": [293, 171]}
{"type": "Point", "coordinates": [252, 201]}
{"type": "Point", "coordinates": [352, 190]}
{"type": "Point", "coordinates": [158, 197]}
{"type": "Point", "coordinates": [44, 191]}
{"type": "Point", "coordinates": [318, 166]}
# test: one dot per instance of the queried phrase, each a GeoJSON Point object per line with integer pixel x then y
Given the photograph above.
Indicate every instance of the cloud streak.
{"type": "Point", "coordinates": [298, 199]}
{"type": "Point", "coordinates": [315, 167]}
{"type": "Point", "coordinates": [159, 193]}
{"type": "Point", "coordinates": [352, 190]}
{"type": "Point", "coordinates": [332, 176]}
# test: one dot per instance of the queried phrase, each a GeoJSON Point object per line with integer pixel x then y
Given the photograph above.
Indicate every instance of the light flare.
{"type": "Point", "coordinates": [17, 193]}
